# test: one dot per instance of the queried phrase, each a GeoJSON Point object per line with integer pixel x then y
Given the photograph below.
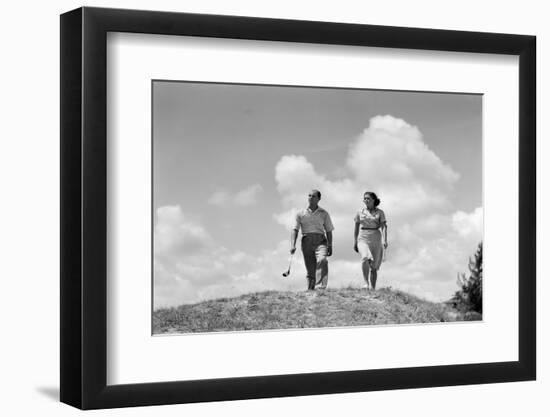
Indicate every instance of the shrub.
{"type": "Point", "coordinates": [471, 288]}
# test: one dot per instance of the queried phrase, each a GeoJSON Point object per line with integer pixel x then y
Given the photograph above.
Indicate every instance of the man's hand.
{"type": "Point", "coordinates": [329, 250]}
{"type": "Point", "coordinates": [355, 248]}
{"type": "Point", "coordinates": [292, 250]}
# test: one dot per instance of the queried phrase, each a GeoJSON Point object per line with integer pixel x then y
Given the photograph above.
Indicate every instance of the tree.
{"type": "Point", "coordinates": [471, 288]}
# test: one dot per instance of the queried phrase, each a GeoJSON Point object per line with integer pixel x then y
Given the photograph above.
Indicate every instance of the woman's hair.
{"type": "Point", "coordinates": [373, 196]}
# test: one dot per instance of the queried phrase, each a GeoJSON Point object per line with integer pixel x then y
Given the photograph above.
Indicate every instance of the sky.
{"type": "Point", "coordinates": [233, 162]}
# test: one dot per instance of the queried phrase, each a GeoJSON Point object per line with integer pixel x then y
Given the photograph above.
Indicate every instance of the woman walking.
{"type": "Point", "coordinates": [371, 238]}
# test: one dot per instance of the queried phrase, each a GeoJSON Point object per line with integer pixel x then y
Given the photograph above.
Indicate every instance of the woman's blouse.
{"type": "Point", "coordinates": [369, 220]}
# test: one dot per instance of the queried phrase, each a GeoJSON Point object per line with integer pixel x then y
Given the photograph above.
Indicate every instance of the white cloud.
{"type": "Point", "coordinates": [390, 156]}
{"type": "Point", "coordinates": [219, 198]}
{"type": "Point", "coordinates": [468, 224]}
{"type": "Point", "coordinates": [248, 196]}
{"type": "Point", "coordinates": [295, 172]}
{"type": "Point", "coordinates": [175, 235]}
{"type": "Point", "coordinates": [245, 197]}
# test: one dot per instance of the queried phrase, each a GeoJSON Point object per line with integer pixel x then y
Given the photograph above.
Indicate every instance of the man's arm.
{"type": "Point", "coordinates": [293, 237]}
{"type": "Point", "coordinates": [329, 242]}
{"type": "Point", "coordinates": [328, 230]}
{"type": "Point", "coordinates": [294, 234]}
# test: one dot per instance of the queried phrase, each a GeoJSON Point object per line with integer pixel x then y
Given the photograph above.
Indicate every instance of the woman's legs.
{"type": "Point", "coordinates": [373, 277]}
{"type": "Point", "coordinates": [370, 247]}
{"type": "Point", "coordinates": [366, 259]}
{"type": "Point", "coordinates": [365, 266]}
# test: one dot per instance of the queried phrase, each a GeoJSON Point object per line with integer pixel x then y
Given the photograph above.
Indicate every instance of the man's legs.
{"type": "Point", "coordinates": [321, 273]}
{"type": "Point", "coordinates": [310, 260]}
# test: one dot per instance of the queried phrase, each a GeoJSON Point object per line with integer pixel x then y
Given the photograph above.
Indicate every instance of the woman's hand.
{"type": "Point", "coordinates": [385, 245]}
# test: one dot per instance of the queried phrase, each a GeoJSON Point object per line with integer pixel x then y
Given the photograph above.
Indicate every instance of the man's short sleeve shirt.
{"type": "Point", "coordinates": [317, 221]}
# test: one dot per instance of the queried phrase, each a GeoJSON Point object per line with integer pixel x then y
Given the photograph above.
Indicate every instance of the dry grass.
{"type": "Point", "coordinates": [287, 310]}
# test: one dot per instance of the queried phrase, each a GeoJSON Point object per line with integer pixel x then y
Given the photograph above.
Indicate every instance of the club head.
{"type": "Point", "coordinates": [286, 274]}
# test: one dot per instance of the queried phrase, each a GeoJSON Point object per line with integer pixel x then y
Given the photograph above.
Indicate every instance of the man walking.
{"type": "Point", "coordinates": [317, 228]}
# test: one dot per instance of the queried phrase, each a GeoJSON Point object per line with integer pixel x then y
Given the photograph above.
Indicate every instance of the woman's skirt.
{"type": "Point", "coordinates": [369, 244]}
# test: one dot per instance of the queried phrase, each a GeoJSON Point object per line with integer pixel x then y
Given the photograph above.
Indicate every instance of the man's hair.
{"type": "Point", "coordinates": [318, 193]}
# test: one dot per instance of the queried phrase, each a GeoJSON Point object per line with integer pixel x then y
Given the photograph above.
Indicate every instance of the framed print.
{"type": "Point", "coordinates": [248, 203]}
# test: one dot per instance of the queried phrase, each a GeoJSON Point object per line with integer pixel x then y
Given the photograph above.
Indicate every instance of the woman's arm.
{"type": "Point", "coordinates": [383, 228]}
{"type": "Point", "coordinates": [355, 234]}
{"type": "Point", "coordinates": [385, 234]}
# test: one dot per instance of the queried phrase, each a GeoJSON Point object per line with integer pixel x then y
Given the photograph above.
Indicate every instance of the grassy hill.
{"type": "Point", "coordinates": [287, 310]}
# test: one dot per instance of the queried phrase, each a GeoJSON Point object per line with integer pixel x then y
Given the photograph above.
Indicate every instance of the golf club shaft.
{"type": "Point", "coordinates": [287, 273]}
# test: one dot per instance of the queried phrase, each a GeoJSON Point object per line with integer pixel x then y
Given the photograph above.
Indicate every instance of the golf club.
{"type": "Point", "coordinates": [287, 273]}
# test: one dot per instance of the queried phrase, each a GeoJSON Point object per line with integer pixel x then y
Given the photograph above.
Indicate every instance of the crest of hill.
{"type": "Point", "coordinates": [314, 309]}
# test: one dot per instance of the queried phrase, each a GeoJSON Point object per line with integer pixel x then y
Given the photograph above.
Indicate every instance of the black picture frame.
{"type": "Point", "coordinates": [83, 149]}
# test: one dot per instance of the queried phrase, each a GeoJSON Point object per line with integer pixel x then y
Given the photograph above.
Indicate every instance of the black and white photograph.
{"type": "Point", "coordinates": [301, 207]}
